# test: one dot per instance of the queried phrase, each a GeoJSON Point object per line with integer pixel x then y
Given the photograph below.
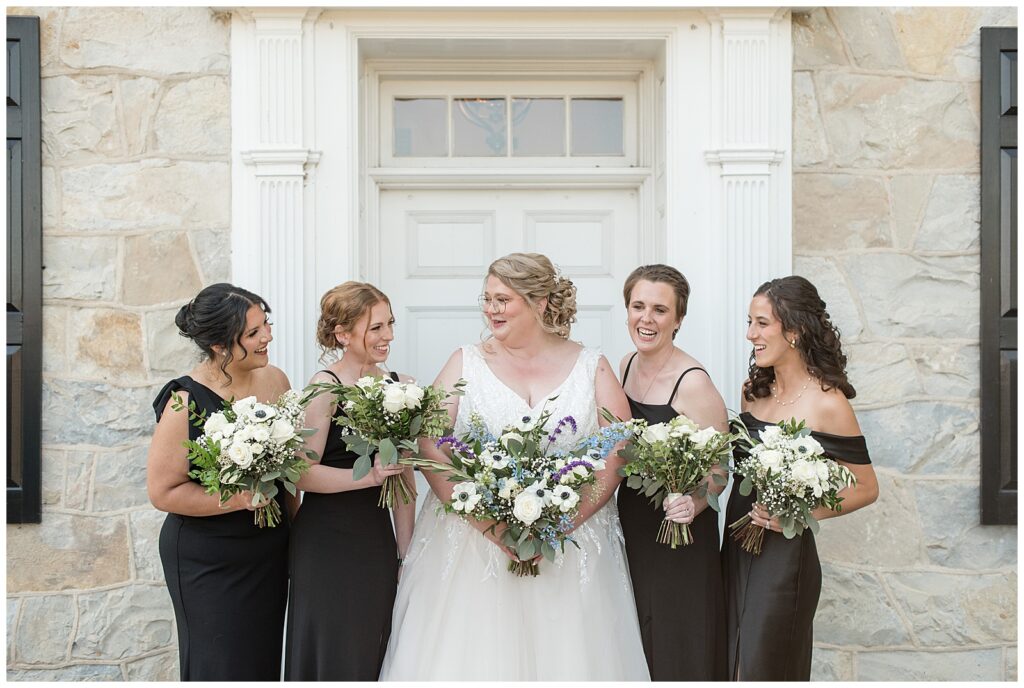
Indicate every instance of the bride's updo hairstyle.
{"type": "Point", "coordinates": [533, 276]}
{"type": "Point", "coordinates": [216, 317]}
{"type": "Point", "coordinates": [796, 304]}
{"type": "Point", "coordinates": [344, 305]}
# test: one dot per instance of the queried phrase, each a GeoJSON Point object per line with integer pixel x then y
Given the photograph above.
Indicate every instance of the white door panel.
{"type": "Point", "coordinates": [436, 246]}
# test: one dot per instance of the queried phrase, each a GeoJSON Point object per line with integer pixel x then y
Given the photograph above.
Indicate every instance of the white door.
{"type": "Point", "coordinates": [436, 244]}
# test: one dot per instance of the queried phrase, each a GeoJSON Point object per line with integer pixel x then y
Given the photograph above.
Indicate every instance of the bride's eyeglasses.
{"type": "Point", "coordinates": [496, 305]}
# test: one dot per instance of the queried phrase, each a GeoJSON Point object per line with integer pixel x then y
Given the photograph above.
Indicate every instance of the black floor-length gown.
{"type": "Point", "coordinates": [771, 597]}
{"type": "Point", "coordinates": [344, 573]}
{"type": "Point", "coordinates": [227, 577]}
{"type": "Point", "coordinates": [679, 597]}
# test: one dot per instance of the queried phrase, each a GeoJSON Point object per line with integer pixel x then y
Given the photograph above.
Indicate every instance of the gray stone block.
{"type": "Point", "coordinates": [924, 437]}
{"type": "Point", "coordinates": [45, 629]}
{"type": "Point", "coordinates": [74, 672]}
{"type": "Point", "coordinates": [855, 610]}
{"type": "Point", "coordinates": [123, 623]}
{"type": "Point", "coordinates": [936, 665]}
{"type": "Point", "coordinates": [953, 535]}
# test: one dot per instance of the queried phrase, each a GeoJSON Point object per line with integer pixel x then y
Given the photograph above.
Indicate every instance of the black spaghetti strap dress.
{"type": "Point", "coordinates": [772, 597]}
{"type": "Point", "coordinates": [227, 577]}
{"type": "Point", "coordinates": [679, 597]}
{"type": "Point", "coordinates": [344, 571]}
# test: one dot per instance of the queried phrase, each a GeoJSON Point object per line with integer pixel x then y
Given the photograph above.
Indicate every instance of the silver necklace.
{"type": "Point", "coordinates": [656, 376]}
{"type": "Point", "coordinates": [790, 403]}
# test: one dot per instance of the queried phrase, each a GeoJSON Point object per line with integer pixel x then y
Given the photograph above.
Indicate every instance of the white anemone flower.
{"type": "Point", "coordinates": [465, 497]}
{"type": "Point", "coordinates": [565, 498]}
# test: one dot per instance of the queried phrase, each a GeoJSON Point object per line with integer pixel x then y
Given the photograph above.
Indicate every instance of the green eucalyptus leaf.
{"type": "Point", "coordinates": [746, 486]}
{"type": "Point", "coordinates": [361, 467]}
{"type": "Point", "coordinates": [388, 453]}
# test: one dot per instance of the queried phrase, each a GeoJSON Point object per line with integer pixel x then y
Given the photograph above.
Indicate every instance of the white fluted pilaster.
{"type": "Point", "coordinates": [273, 193]}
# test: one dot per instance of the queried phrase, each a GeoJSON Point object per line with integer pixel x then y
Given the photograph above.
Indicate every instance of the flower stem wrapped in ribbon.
{"type": "Point", "coordinates": [386, 417]}
{"type": "Point", "coordinates": [250, 446]}
{"type": "Point", "coordinates": [792, 476]}
{"type": "Point", "coordinates": [672, 459]}
{"type": "Point", "coordinates": [522, 479]}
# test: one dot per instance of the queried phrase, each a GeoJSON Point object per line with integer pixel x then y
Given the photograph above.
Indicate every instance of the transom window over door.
{"type": "Point", "coordinates": [431, 123]}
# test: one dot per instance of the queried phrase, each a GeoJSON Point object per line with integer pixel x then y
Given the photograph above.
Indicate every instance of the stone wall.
{"type": "Point", "coordinates": [136, 191]}
{"type": "Point", "coordinates": [886, 223]}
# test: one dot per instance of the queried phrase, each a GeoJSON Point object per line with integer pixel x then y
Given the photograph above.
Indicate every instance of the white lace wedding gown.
{"type": "Point", "coordinates": [460, 615]}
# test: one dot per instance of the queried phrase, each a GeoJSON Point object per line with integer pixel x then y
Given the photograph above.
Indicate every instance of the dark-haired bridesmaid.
{"type": "Point", "coordinates": [797, 370]}
{"type": "Point", "coordinates": [679, 597]}
{"type": "Point", "coordinates": [228, 578]}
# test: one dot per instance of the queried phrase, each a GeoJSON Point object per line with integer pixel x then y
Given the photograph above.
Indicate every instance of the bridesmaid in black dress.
{"type": "Point", "coordinates": [679, 597]}
{"type": "Point", "coordinates": [345, 559]}
{"type": "Point", "coordinates": [797, 370]}
{"type": "Point", "coordinates": [228, 578]}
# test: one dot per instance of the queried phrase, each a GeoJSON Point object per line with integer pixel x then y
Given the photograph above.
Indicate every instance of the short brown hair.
{"type": "Point", "coordinates": [660, 273]}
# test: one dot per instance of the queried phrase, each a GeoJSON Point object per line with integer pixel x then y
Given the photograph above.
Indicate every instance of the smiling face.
{"type": "Point", "coordinates": [764, 331]}
{"type": "Point", "coordinates": [370, 338]}
{"type": "Point", "coordinates": [250, 351]}
{"type": "Point", "coordinates": [506, 311]}
{"type": "Point", "coordinates": [651, 316]}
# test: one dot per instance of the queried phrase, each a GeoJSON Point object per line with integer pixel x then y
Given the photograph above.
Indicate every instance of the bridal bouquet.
{"type": "Point", "coordinates": [669, 460]}
{"type": "Point", "coordinates": [792, 476]}
{"type": "Point", "coordinates": [250, 446]}
{"type": "Point", "coordinates": [519, 478]}
{"type": "Point", "coordinates": [386, 417]}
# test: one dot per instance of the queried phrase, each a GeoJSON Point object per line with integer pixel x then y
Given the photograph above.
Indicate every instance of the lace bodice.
{"type": "Point", "coordinates": [498, 405]}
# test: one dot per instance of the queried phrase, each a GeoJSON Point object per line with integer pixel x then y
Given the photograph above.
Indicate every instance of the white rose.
{"type": "Point", "coordinates": [822, 470]}
{"type": "Point", "coordinates": [228, 430]}
{"type": "Point", "coordinates": [508, 487]}
{"type": "Point", "coordinates": [261, 433]}
{"type": "Point", "coordinates": [215, 424]}
{"type": "Point", "coordinates": [413, 396]}
{"type": "Point", "coordinates": [256, 448]}
{"type": "Point", "coordinates": [803, 472]}
{"type": "Point", "coordinates": [366, 382]}
{"type": "Point", "coordinates": [702, 437]}
{"type": "Point", "coordinates": [565, 498]}
{"type": "Point", "coordinates": [771, 435]}
{"type": "Point", "coordinates": [394, 399]}
{"type": "Point", "coordinates": [528, 505]}
{"type": "Point", "coordinates": [240, 454]}
{"type": "Point", "coordinates": [281, 431]}
{"type": "Point", "coordinates": [465, 497]}
{"type": "Point", "coordinates": [770, 459]}
{"type": "Point", "coordinates": [656, 433]}
{"type": "Point", "coordinates": [680, 426]}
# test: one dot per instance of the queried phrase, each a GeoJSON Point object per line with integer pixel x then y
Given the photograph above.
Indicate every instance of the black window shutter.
{"type": "Point", "coordinates": [24, 272]}
{"type": "Point", "coordinates": [998, 275]}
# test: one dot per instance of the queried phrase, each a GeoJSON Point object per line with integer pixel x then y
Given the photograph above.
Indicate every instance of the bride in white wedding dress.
{"type": "Point", "coordinates": [459, 614]}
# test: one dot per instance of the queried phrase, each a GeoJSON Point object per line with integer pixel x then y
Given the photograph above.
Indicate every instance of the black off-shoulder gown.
{"type": "Point", "coordinates": [344, 572]}
{"type": "Point", "coordinates": [772, 597]}
{"type": "Point", "coordinates": [679, 597]}
{"type": "Point", "coordinates": [227, 577]}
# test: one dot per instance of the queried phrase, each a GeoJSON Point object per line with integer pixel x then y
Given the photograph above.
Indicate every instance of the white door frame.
{"type": "Point", "coordinates": [723, 191]}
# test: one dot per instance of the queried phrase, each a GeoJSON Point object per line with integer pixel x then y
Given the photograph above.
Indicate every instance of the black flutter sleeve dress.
{"type": "Point", "coordinates": [679, 598]}
{"type": "Point", "coordinates": [227, 577]}
{"type": "Point", "coordinates": [344, 572]}
{"type": "Point", "coordinates": [772, 597]}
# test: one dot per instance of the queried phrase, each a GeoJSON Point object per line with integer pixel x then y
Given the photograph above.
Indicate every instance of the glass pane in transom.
{"type": "Point", "coordinates": [538, 126]}
{"type": "Point", "coordinates": [480, 127]}
{"type": "Point", "coordinates": [597, 126]}
{"type": "Point", "coordinates": [421, 127]}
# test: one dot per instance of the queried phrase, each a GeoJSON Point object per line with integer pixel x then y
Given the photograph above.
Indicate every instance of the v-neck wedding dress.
{"type": "Point", "coordinates": [460, 615]}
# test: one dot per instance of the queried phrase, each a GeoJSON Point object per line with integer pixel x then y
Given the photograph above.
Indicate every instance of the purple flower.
{"type": "Point", "coordinates": [568, 420]}
{"type": "Point", "coordinates": [568, 467]}
{"type": "Point", "coordinates": [457, 445]}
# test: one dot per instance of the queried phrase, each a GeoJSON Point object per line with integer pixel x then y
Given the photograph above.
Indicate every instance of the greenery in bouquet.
{"type": "Point", "coordinates": [386, 417]}
{"type": "Point", "coordinates": [792, 476]}
{"type": "Point", "coordinates": [250, 446]}
{"type": "Point", "coordinates": [673, 459]}
{"type": "Point", "coordinates": [522, 479]}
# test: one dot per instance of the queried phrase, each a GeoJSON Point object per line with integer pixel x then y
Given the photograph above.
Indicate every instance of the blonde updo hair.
{"type": "Point", "coordinates": [344, 305]}
{"type": "Point", "coordinates": [534, 277]}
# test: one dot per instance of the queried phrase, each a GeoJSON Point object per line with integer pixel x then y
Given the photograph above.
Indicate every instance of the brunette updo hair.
{"type": "Point", "coordinates": [665, 274]}
{"type": "Point", "coordinates": [344, 305]}
{"type": "Point", "coordinates": [216, 317]}
{"type": "Point", "coordinates": [795, 302]}
{"type": "Point", "coordinates": [534, 277]}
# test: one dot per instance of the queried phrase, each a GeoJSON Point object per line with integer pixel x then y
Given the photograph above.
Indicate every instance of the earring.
{"type": "Point", "coordinates": [792, 344]}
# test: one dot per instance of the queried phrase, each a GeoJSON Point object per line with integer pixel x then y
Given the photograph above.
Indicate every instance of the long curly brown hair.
{"type": "Point", "coordinates": [795, 302]}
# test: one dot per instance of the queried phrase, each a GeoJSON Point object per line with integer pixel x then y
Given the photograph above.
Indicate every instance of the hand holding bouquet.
{"type": "Point", "coordinates": [673, 459]}
{"type": "Point", "coordinates": [792, 476]}
{"type": "Point", "coordinates": [520, 479]}
{"type": "Point", "coordinates": [387, 417]}
{"type": "Point", "coordinates": [250, 446]}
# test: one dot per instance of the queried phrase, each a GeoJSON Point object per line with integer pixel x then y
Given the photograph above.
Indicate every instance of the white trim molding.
{"type": "Point", "coordinates": [272, 175]}
{"type": "Point", "coordinates": [751, 162]}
